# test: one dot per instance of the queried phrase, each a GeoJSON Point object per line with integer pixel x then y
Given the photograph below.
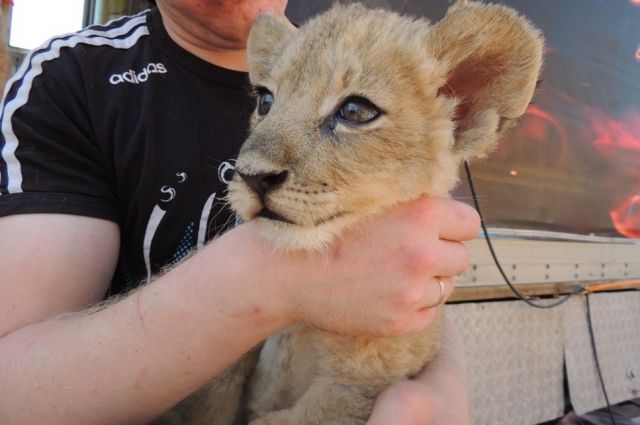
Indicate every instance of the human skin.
{"type": "Point", "coordinates": [215, 30]}
{"type": "Point", "coordinates": [129, 361]}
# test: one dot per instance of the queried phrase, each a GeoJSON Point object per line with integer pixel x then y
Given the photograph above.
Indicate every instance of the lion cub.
{"type": "Point", "coordinates": [357, 111]}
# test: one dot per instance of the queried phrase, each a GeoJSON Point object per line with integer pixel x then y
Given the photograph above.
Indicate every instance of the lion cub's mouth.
{"type": "Point", "coordinates": [330, 218]}
{"type": "Point", "coordinates": [271, 215]}
{"type": "Point", "coordinates": [267, 213]}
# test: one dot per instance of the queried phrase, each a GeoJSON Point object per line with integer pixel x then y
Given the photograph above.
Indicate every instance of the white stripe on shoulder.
{"type": "Point", "coordinates": [32, 67]}
{"type": "Point", "coordinates": [87, 32]}
{"type": "Point", "coordinates": [142, 14]}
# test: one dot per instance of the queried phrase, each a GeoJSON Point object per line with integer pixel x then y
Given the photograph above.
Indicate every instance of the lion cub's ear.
{"type": "Point", "coordinates": [493, 59]}
{"type": "Point", "coordinates": [267, 39]}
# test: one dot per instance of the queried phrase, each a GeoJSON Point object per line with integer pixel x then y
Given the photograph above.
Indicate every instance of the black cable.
{"type": "Point", "coordinates": [595, 356]}
{"type": "Point", "coordinates": [495, 257]}
{"type": "Point", "coordinates": [529, 302]}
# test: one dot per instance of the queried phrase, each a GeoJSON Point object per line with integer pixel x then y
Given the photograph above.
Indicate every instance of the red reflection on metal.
{"type": "Point", "coordinates": [618, 134]}
{"type": "Point", "coordinates": [606, 132]}
{"type": "Point", "coordinates": [626, 217]}
{"type": "Point", "coordinates": [541, 125]}
{"type": "Point", "coordinates": [638, 54]}
{"type": "Point", "coordinates": [536, 129]}
{"type": "Point", "coordinates": [636, 2]}
{"type": "Point", "coordinates": [617, 139]}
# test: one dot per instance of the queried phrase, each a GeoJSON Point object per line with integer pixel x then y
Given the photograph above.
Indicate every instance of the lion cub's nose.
{"type": "Point", "coordinates": [264, 182]}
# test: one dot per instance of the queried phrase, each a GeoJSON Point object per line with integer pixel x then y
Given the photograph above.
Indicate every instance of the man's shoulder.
{"type": "Point", "coordinates": [84, 58]}
{"type": "Point", "coordinates": [120, 37]}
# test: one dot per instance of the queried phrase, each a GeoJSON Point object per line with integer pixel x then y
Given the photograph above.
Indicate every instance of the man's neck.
{"type": "Point", "coordinates": [213, 49]}
{"type": "Point", "coordinates": [226, 58]}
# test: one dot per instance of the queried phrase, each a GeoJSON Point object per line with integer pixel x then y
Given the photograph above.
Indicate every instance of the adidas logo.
{"type": "Point", "coordinates": [134, 77]}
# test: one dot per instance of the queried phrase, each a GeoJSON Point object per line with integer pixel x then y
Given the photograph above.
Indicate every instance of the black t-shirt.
{"type": "Point", "coordinates": [120, 123]}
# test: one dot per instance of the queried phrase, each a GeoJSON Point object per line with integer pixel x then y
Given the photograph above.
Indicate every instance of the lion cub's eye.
{"type": "Point", "coordinates": [265, 100]}
{"type": "Point", "coordinates": [358, 110]}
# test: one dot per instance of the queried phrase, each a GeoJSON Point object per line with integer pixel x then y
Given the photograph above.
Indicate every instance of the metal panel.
{"type": "Point", "coordinates": [515, 361]}
{"type": "Point", "coordinates": [533, 260]}
{"type": "Point", "coordinates": [616, 323]}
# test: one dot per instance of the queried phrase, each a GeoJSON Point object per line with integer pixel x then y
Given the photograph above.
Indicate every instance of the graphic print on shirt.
{"type": "Point", "coordinates": [166, 197]}
{"type": "Point", "coordinates": [138, 77]}
{"type": "Point", "coordinates": [225, 171]}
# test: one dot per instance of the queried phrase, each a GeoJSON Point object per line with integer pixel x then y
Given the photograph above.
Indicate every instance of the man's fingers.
{"type": "Point", "coordinates": [452, 220]}
{"type": "Point", "coordinates": [438, 290]}
{"type": "Point", "coordinates": [459, 221]}
{"type": "Point", "coordinates": [452, 259]}
{"type": "Point", "coordinates": [403, 403]}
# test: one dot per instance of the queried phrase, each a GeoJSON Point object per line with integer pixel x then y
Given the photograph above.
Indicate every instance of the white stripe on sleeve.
{"type": "Point", "coordinates": [32, 67]}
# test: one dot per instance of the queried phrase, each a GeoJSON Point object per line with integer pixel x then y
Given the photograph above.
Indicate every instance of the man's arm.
{"type": "Point", "coordinates": [129, 361]}
{"type": "Point", "coordinates": [52, 264]}
{"type": "Point", "coordinates": [125, 363]}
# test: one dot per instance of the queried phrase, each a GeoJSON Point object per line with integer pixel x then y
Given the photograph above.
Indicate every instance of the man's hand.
{"type": "Point", "coordinates": [174, 334]}
{"type": "Point", "coordinates": [381, 277]}
{"type": "Point", "coordinates": [439, 396]}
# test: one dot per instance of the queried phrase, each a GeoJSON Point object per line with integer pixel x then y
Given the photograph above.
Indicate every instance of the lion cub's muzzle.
{"type": "Point", "coordinates": [261, 184]}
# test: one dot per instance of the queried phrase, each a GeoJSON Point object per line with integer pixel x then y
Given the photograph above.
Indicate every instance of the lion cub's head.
{"type": "Point", "coordinates": [361, 109]}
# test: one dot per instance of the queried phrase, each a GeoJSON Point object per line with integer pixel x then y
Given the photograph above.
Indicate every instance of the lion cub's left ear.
{"type": "Point", "coordinates": [267, 39]}
{"type": "Point", "coordinates": [493, 59]}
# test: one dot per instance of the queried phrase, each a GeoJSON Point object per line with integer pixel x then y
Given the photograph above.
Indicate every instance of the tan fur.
{"type": "Point", "coordinates": [218, 402]}
{"type": "Point", "coordinates": [447, 91]}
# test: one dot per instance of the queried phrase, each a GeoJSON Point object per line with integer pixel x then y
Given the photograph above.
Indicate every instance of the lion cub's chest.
{"type": "Point", "coordinates": [291, 361]}
{"type": "Point", "coordinates": [292, 355]}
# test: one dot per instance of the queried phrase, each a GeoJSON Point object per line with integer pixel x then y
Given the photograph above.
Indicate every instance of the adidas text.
{"type": "Point", "coordinates": [134, 77]}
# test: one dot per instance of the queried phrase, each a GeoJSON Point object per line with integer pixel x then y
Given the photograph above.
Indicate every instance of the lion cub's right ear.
{"type": "Point", "coordinates": [493, 58]}
{"type": "Point", "coordinates": [267, 39]}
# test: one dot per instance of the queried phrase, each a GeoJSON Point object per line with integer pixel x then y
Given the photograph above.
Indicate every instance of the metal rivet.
{"type": "Point", "coordinates": [630, 373]}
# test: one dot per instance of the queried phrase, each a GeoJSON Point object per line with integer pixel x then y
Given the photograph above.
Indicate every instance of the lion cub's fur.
{"type": "Point", "coordinates": [447, 92]}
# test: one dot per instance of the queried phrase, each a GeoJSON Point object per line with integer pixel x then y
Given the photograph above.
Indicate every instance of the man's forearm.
{"type": "Point", "coordinates": [158, 345]}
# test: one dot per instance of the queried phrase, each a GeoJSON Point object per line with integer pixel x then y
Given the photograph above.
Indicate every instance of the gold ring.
{"type": "Point", "coordinates": [442, 291]}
